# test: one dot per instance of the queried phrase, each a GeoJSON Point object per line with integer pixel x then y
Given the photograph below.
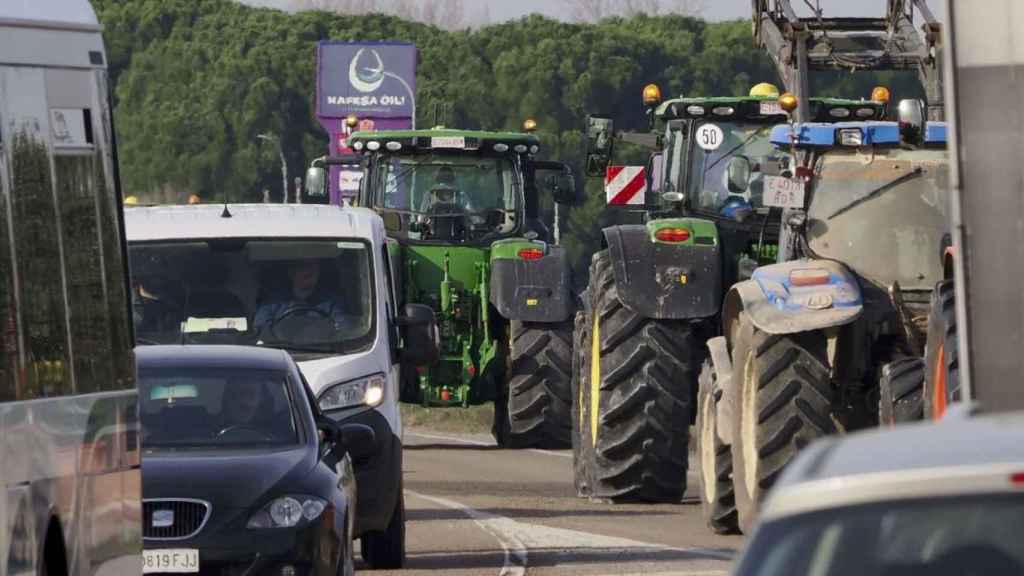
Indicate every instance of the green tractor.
{"type": "Point", "coordinates": [462, 210]}
{"type": "Point", "coordinates": [709, 217]}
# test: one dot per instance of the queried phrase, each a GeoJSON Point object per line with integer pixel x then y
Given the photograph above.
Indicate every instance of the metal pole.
{"type": "Point", "coordinates": [558, 234]}
{"type": "Point", "coordinates": [298, 190]}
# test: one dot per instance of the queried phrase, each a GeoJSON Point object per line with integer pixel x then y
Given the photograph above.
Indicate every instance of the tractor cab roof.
{"type": "Point", "coordinates": [444, 139]}
{"type": "Point", "coordinates": [824, 135]}
{"type": "Point", "coordinates": [766, 109]}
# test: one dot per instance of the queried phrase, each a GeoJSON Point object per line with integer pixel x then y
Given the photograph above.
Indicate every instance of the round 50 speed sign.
{"type": "Point", "coordinates": [709, 136]}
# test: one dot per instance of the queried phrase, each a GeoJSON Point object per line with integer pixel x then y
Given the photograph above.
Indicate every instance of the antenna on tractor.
{"type": "Point", "coordinates": [225, 213]}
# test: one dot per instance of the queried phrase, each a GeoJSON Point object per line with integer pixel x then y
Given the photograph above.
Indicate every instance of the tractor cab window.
{"type": "Point", "coordinates": [448, 198]}
{"type": "Point", "coordinates": [856, 193]}
{"type": "Point", "coordinates": [728, 164]}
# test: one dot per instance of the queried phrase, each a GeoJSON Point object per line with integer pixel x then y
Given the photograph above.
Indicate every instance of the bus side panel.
{"type": "Point", "coordinates": [69, 448]}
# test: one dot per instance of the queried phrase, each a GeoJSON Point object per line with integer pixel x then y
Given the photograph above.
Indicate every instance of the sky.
{"type": "Point", "coordinates": [501, 10]}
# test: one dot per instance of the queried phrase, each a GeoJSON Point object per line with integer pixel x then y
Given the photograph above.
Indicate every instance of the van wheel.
{"type": "Point", "coordinates": [386, 549]}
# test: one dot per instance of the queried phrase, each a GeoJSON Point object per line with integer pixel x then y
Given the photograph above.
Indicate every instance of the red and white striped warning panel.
{"type": "Point", "coordinates": [625, 185]}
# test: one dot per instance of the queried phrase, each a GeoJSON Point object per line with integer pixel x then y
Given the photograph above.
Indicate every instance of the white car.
{"type": "Point", "coordinates": [923, 499]}
{"type": "Point", "coordinates": [312, 280]}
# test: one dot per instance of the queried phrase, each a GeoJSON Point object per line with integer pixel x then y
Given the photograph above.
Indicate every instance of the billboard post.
{"type": "Point", "coordinates": [373, 81]}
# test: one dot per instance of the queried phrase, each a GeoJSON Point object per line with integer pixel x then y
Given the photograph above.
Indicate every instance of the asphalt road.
{"type": "Point", "coordinates": [475, 509]}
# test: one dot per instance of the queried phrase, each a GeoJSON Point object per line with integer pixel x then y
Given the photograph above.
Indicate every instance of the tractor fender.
{"type": "Point", "coordinates": [796, 296]}
{"type": "Point", "coordinates": [721, 363]}
{"type": "Point", "coordinates": [531, 290]}
{"type": "Point", "coordinates": [663, 280]}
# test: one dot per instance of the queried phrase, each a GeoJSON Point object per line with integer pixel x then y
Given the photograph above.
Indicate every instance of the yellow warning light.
{"type": "Point", "coordinates": [652, 95]}
{"type": "Point", "coordinates": [788, 102]}
{"type": "Point", "coordinates": [881, 94]}
{"type": "Point", "coordinates": [131, 200]}
{"type": "Point", "coordinates": [765, 89]}
{"type": "Point", "coordinates": [529, 125]}
{"type": "Point", "coordinates": [351, 121]}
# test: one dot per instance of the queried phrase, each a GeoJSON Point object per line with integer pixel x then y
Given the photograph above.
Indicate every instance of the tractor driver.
{"type": "Point", "coordinates": [446, 192]}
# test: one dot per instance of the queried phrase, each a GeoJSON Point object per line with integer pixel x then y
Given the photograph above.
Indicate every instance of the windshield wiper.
{"type": "Point", "coordinates": [878, 191]}
{"type": "Point", "coordinates": [315, 348]}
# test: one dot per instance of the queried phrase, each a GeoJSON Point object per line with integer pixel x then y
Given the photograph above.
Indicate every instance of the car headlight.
{"type": "Point", "coordinates": [288, 512]}
{"type": "Point", "coordinates": [368, 391]}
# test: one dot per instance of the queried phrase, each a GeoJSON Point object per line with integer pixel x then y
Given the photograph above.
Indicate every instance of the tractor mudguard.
{"type": "Point", "coordinates": [796, 296]}
{"type": "Point", "coordinates": [535, 289]}
{"type": "Point", "coordinates": [667, 280]}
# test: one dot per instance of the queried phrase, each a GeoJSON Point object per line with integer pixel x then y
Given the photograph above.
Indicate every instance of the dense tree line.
{"type": "Point", "coordinates": [197, 81]}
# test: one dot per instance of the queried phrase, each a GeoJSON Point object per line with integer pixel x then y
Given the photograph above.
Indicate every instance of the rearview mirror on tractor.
{"type": "Point", "coordinates": [561, 183]}
{"type": "Point", "coordinates": [600, 139]}
{"type": "Point", "coordinates": [420, 336]}
{"type": "Point", "coordinates": [315, 181]}
{"type": "Point", "coordinates": [739, 174]}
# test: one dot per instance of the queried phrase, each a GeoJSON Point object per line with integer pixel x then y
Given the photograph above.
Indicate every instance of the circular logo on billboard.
{"type": "Point", "coordinates": [366, 78]}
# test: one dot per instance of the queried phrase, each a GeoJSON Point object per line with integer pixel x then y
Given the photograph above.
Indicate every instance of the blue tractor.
{"type": "Point", "coordinates": [830, 338]}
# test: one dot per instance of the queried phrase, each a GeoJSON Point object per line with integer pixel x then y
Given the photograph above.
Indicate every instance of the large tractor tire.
{"type": "Point", "coordinates": [539, 395]}
{"type": "Point", "coordinates": [941, 358]}
{"type": "Point", "coordinates": [784, 402]}
{"type": "Point", "coordinates": [901, 392]}
{"type": "Point", "coordinates": [643, 382]}
{"type": "Point", "coordinates": [582, 450]}
{"type": "Point", "coordinates": [717, 498]}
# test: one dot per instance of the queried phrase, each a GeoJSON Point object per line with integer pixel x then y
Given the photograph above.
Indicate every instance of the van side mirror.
{"type": "Point", "coordinates": [600, 139]}
{"type": "Point", "coordinates": [420, 336]}
{"type": "Point", "coordinates": [316, 179]}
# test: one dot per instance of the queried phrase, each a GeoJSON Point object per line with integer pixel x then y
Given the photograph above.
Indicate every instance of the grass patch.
{"type": "Point", "coordinates": [471, 420]}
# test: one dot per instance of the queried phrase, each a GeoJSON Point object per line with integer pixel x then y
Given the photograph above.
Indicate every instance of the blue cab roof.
{"type": "Point", "coordinates": [874, 133]}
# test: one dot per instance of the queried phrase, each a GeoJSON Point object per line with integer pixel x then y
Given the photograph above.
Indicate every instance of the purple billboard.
{"type": "Point", "coordinates": [374, 81]}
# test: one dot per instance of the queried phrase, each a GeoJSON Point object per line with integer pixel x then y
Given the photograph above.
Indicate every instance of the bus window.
{"type": "Point", "coordinates": [8, 319]}
{"type": "Point", "coordinates": [91, 344]}
{"type": "Point", "coordinates": [37, 246]}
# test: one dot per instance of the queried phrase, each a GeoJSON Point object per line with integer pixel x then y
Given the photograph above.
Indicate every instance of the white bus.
{"type": "Point", "coordinates": [69, 448]}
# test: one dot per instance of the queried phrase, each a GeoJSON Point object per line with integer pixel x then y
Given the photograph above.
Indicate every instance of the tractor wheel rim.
{"type": "Point", "coordinates": [708, 465]}
{"type": "Point", "coordinates": [748, 426]}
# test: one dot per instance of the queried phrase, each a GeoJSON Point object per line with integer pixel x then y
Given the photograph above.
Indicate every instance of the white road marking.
{"type": "Point", "coordinates": [516, 538]}
{"type": "Point", "coordinates": [514, 549]}
{"type": "Point", "coordinates": [481, 443]}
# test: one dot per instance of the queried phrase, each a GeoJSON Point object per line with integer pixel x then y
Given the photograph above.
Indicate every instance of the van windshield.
{"type": "Point", "coordinates": [306, 296]}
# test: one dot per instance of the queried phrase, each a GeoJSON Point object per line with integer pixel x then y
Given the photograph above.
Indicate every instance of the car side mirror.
{"type": "Point", "coordinates": [357, 440]}
{"type": "Point", "coordinates": [420, 336]}
{"type": "Point", "coordinates": [739, 174]}
{"type": "Point", "coordinates": [600, 139]}
{"type": "Point", "coordinates": [316, 178]}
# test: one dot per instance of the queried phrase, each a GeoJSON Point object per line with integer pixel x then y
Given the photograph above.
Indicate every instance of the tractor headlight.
{"type": "Point", "coordinates": [368, 391]}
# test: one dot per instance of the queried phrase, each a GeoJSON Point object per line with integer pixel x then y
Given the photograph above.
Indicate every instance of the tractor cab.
{"type": "Point", "coordinates": [876, 198]}
{"type": "Point", "coordinates": [445, 186]}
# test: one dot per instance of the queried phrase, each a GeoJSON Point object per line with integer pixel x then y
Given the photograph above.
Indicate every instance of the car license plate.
{"type": "Point", "coordinates": [448, 142]}
{"type": "Point", "coordinates": [770, 108]}
{"type": "Point", "coordinates": [178, 561]}
{"type": "Point", "coordinates": [783, 192]}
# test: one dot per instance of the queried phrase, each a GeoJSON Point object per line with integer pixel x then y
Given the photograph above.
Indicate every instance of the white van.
{"type": "Point", "coordinates": [313, 280]}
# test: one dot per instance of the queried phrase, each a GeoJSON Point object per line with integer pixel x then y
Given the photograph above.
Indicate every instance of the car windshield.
{"type": "Point", "coordinates": [215, 408]}
{"type": "Point", "coordinates": [901, 192]}
{"type": "Point", "coordinates": [740, 147]}
{"type": "Point", "coordinates": [953, 536]}
{"type": "Point", "coordinates": [449, 197]}
{"type": "Point", "coordinates": [312, 296]}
